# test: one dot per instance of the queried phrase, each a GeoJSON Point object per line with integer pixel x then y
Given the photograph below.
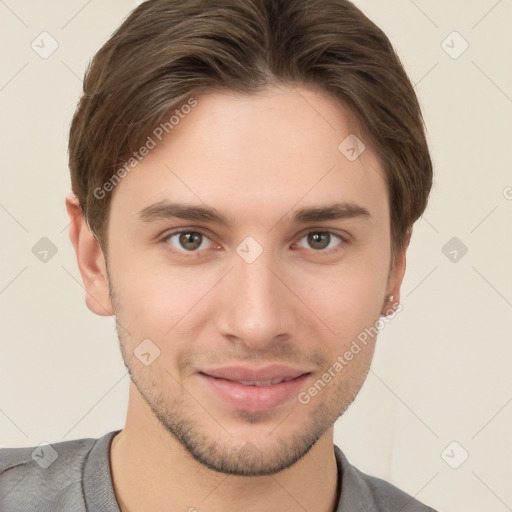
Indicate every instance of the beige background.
{"type": "Point", "coordinates": [441, 372]}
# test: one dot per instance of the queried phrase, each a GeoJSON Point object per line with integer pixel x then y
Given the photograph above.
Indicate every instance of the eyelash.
{"type": "Point", "coordinates": [190, 254]}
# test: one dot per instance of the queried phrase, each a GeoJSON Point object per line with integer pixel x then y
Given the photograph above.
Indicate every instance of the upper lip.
{"type": "Point", "coordinates": [244, 373]}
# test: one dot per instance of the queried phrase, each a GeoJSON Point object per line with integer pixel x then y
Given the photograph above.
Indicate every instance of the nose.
{"type": "Point", "coordinates": [255, 306]}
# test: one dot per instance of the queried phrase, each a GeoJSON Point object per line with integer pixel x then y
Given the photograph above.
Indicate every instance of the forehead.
{"type": "Point", "coordinates": [258, 152]}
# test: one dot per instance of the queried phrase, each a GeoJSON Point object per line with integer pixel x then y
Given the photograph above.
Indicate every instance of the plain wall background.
{"type": "Point", "coordinates": [441, 371]}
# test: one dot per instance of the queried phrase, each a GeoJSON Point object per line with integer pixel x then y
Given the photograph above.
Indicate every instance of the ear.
{"type": "Point", "coordinates": [90, 258]}
{"type": "Point", "coordinates": [396, 276]}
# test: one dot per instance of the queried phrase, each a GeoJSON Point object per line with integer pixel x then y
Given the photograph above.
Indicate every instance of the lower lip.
{"type": "Point", "coordinates": [254, 398]}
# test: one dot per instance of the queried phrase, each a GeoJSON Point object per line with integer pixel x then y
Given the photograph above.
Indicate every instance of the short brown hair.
{"type": "Point", "coordinates": [168, 50]}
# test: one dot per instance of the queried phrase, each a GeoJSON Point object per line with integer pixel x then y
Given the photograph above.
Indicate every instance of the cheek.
{"type": "Point", "coordinates": [154, 298]}
{"type": "Point", "coordinates": [348, 299]}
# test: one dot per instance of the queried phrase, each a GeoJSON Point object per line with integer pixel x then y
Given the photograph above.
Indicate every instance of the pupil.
{"type": "Point", "coordinates": [315, 240]}
{"type": "Point", "coordinates": [189, 240]}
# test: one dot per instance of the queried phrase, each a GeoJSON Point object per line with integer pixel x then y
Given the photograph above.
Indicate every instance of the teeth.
{"type": "Point", "coordinates": [260, 382]}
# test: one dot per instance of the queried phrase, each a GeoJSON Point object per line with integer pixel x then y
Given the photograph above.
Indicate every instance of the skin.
{"type": "Point", "coordinates": [255, 159]}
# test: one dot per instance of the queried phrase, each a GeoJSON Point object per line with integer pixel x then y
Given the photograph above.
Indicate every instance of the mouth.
{"type": "Point", "coordinates": [253, 395]}
{"type": "Point", "coordinates": [265, 375]}
{"type": "Point", "coordinates": [259, 383]}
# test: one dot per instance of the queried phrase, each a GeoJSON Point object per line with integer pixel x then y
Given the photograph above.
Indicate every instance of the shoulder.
{"type": "Point", "coordinates": [47, 477]}
{"type": "Point", "coordinates": [362, 492]}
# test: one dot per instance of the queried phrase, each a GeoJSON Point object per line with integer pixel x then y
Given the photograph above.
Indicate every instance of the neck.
{"type": "Point", "coordinates": [151, 470]}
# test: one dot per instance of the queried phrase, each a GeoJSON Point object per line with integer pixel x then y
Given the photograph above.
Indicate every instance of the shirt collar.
{"type": "Point", "coordinates": [355, 494]}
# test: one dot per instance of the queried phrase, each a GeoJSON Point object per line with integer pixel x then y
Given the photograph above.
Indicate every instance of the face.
{"type": "Point", "coordinates": [247, 247]}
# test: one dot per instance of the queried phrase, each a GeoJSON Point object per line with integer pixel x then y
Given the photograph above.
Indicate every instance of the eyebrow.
{"type": "Point", "coordinates": [165, 210]}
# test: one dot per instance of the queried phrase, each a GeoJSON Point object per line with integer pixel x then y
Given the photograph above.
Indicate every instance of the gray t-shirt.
{"type": "Point", "coordinates": [74, 476]}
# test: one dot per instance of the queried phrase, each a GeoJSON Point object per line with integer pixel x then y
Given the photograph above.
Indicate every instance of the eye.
{"type": "Point", "coordinates": [192, 241]}
{"type": "Point", "coordinates": [321, 240]}
{"type": "Point", "coordinates": [188, 241]}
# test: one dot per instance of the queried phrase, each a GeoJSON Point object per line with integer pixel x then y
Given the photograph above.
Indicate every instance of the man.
{"type": "Point", "coordinates": [245, 178]}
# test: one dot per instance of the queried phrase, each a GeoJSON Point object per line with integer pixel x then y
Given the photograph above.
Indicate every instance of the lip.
{"type": "Point", "coordinates": [270, 372]}
{"type": "Point", "coordinates": [254, 398]}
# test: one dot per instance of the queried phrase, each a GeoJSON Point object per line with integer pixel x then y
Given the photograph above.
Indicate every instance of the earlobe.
{"type": "Point", "coordinates": [90, 259]}
{"type": "Point", "coordinates": [396, 277]}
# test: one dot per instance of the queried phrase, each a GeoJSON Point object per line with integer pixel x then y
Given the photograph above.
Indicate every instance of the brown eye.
{"type": "Point", "coordinates": [321, 240]}
{"type": "Point", "coordinates": [190, 241]}
{"type": "Point", "coordinates": [187, 241]}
